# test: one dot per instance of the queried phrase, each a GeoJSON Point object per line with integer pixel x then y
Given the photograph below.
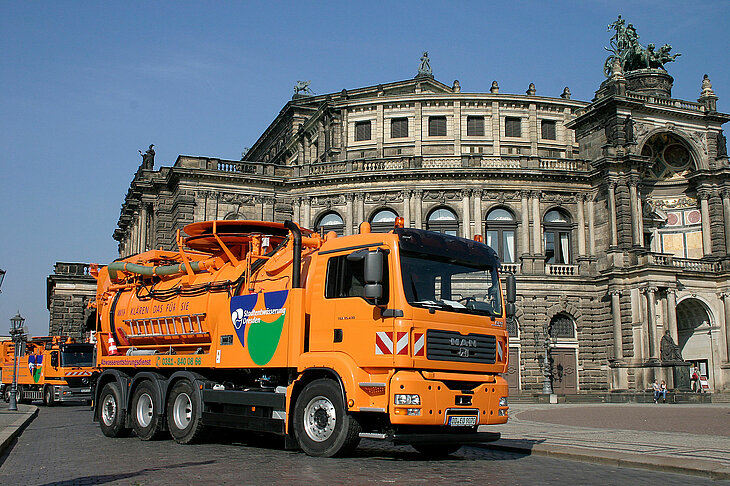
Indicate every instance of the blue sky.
{"type": "Point", "coordinates": [84, 85]}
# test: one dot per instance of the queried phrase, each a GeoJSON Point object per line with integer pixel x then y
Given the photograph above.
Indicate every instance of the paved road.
{"type": "Point", "coordinates": [63, 446]}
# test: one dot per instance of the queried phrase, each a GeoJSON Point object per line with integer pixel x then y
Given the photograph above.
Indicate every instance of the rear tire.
{"type": "Point", "coordinates": [322, 425]}
{"type": "Point", "coordinates": [183, 413]}
{"type": "Point", "coordinates": [146, 420]}
{"type": "Point", "coordinates": [48, 396]}
{"type": "Point", "coordinates": [437, 450]}
{"type": "Point", "coordinates": [112, 416]}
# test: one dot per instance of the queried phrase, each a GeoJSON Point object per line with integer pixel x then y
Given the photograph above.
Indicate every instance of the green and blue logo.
{"type": "Point", "coordinates": [35, 366]}
{"type": "Point", "coordinates": [263, 315]}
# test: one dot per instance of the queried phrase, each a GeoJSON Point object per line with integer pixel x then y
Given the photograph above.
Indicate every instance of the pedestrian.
{"type": "Point", "coordinates": [695, 379]}
{"type": "Point", "coordinates": [663, 391]}
{"type": "Point", "coordinates": [657, 390]}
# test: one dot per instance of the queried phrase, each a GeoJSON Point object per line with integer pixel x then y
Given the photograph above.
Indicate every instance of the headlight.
{"type": "Point", "coordinates": [503, 402]}
{"type": "Point", "coordinates": [407, 399]}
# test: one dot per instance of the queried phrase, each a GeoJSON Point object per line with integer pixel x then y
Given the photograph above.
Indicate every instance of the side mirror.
{"type": "Point", "coordinates": [54, 359]}
{"type": "Point", "coordinates": [511, 289]}
{"type": "Point", "coordinates": [373, 274]}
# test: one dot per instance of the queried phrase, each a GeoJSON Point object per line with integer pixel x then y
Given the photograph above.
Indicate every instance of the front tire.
{"type": "Point", "coordinates": [183, 413]}
{"type": "Point", "coordinates": [146, 421]}
{"type": "Point", "coordinates": [111, 413]}
{"type": "Point", "coordinates": [48, 396]}
{"type": "Point", "coordinates": [322, 425]}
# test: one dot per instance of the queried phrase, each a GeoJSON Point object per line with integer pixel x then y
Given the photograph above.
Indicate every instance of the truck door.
{"type": "Point", "coordinates": [359, 329]}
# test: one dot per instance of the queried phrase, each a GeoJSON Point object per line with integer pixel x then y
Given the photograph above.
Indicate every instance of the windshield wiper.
{"type": "Point", "coordinates": [432, 304]}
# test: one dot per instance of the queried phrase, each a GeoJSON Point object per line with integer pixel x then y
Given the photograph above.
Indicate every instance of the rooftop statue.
{"type": "Point", "coordinates": [148, 158]}
{"type": "Point", "coordinates": [302, 88]}
{"type": "Point", "coordinates": [631, 55]}
{"type": "Point", "coordinates": [424, 69]}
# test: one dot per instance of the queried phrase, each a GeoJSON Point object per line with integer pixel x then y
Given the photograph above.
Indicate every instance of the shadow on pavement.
{"type": "Point", "coordinates": [107, 478]}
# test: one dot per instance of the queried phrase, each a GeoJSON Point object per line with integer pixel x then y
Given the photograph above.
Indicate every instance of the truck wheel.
{"type": "Point", "coordinates": [183, 410]}
{"type": "Point", "coordinates": [437, 450]}
{"type": "Point", "coordinates": [321, 424]}
{"type": "Point", "coordinates": [48, 396]}
{"type": "Point", "coordinates": [112, 416]}
{"type": "Point", "coordinates": [146, 421]}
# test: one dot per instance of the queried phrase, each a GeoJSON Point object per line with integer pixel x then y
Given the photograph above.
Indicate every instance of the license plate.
{"type": "Point", "coordinates": [86, 390]}
{"type": "Point", "coordinates": [463, 421]}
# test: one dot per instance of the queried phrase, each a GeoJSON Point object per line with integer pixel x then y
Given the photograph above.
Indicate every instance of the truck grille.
{"type": "Point", "coordinates": [452, 346]}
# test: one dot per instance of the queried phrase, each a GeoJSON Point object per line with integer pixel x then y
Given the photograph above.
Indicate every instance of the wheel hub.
{"type": "Point", "coordinates": [320, 419]}
{"type": "Point", "coordinates": [108, 410]}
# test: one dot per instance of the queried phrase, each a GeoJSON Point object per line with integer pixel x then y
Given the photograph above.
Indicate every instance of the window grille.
{"type": "Point", "coordinates": [399, 128]}
{"type": "Point", "coordinates": [436, 126]}
{"type": "Point", "coordinates": [362, 131]}
{"type": "Point", "coordinates": [475, 126]}
{"type": "Point", "coordinates": [512, 127]}
{"type": "Point", "coordinates": [548, 130]}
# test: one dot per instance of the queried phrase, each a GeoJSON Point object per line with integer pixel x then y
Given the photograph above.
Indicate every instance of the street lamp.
{"type": "Point", "coordinates": [16, 332]}
{"type": "Point", "coordinates": [547, 378]}
{"type": "Point", "coordinates": [2, 277]}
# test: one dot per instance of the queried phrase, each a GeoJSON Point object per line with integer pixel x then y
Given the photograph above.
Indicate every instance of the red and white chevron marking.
{"type": "Point", "coordinates": [419, 339]}
{"type": "Point", "coordinates": [78, 373]}
{"type": "Point", "coordinates": [383, 343]}
{"type": "Point", "coordinates": [401, 344]}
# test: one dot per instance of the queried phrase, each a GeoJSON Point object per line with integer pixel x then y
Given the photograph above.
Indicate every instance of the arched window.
{"type": "Point", "coordinates": [561, 326]}
{"type": "Point", "coordinates": [557, 237]}
{"type": "Point", "coordinates": [330, 222]}
{"type": "Point", "coordinates": [383, 221]}
{"type": "Point", "coordinates": [501, 228]}
{"type": "Point", "coordinates": [444, 221]}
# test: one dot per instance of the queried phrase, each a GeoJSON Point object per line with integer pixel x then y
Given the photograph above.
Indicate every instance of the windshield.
{"type": "Point", "coordinates": [76, 355]}
{"type": "Point", "coordinates": [449, 273]}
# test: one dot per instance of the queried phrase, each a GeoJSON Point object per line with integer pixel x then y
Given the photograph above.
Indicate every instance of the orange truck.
{"type": "Point", "coordinates": [324, 340]}
{"type": "Point", "coordinates": [53, 369]}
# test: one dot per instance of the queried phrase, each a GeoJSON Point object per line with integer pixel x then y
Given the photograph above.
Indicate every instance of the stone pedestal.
{"type": "Point", "coordinates": [680, 374]}
{"type": "Point", "coordinates": [650, 82]}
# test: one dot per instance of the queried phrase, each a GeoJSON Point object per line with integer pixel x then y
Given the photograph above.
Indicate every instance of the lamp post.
{"type": "Point", "coordinates": [16, 332]}
{"type": "Point", "coordinates": [2, 277]}
{"type": "Point", "coordinates": [547, 381]}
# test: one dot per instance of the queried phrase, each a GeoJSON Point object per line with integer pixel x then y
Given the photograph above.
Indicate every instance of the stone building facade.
{"type": "Point", "coordinates": [614, 214]}
{"type": "Point", "coordinates": [69, 290]}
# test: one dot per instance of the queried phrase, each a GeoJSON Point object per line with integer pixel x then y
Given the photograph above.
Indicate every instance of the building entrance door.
{"type": "Point", "coordinates": [565, 378]}
{"type": "Point", "coordinates": [513, 370]}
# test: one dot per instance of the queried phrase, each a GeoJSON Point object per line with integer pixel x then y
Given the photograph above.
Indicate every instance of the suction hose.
{"type": "Point", "coordinates": [296, 252]}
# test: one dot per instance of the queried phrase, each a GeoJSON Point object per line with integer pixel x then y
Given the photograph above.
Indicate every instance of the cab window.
{"type": "Point", "coordinates": [345, 279]}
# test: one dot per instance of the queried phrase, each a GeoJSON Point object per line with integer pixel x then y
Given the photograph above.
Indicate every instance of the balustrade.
{"type": "Point", "coordinates": [561, 270]}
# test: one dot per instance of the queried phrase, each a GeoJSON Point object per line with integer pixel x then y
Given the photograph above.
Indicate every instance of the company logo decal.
{"type": "Point", "coordinates": [263, 316]}
{"type": "Point", "coordinates": [35, 366]}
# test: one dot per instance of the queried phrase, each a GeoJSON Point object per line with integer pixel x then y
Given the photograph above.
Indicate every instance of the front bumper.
{"type": "Point", "coordinates": [454, 401]}
{"type": "Point", "coordinates": [64, 393]}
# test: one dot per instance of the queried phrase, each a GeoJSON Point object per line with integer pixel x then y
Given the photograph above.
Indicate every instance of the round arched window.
{"type": "Point", "coordinates": [331, 222]}
{"type": "Point", "coordinates": [383, 221]}
{"type": "Point", "coordinates": [557, 237]}
{"type": "Point", "coordinates": [501, 229]}
{"type": "Point", "coordinates": [668, 156]}
{"type": "Point", "coordinates": [561, 326]}
{"type": "Point", "coordinates": [444, 221]}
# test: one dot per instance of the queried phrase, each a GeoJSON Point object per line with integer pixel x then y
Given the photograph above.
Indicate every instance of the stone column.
{"type": "Point", "coordinates": [726, 304]}
{"type": "Point", "coordinates": [360, 209]}
{"type": "Point", "coordinates": [407, 209]}
{"type": "Point", "coordinates": [581, 227]}
{"type": "Point", "coordinates": [478, 219]}
{"type": "Point", "coordinates": [672, 314]}
{"type": "Point", "coordinates": [348, 213]}
{"type": "Point", "coordinates": [618, 345]}
{"type": "Point", "coordinates": [704, 197]}
{"type": "Point", "coordinates": [726, 211]}
{"type": "Point", "coordinates": [296, 212]}
{"type": "Point", "coordinates": [592, 225]}
{"type": "Point", "coordinates": [635, 213]}
{"type": "Point", "coordinates": [651, 321]}
{"type": "Point", "coordinates": [143, 227]}
{"type": "Point", "coordinates": [418, 213]}
{"type": "Point", "coordinates": [525, 226]}
{"type": "Point", "coordinates": [612, 213]}
{"type": "Point", "coordinates": [536, 221]}
{"type": "Point", "coordinates": [466, 217]}
{"type": "Point", "coordinates": [307, 209]}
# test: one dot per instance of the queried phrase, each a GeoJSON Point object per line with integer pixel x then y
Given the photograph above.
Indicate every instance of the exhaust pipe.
{"type": "Point", "coordinates": [297, 250]}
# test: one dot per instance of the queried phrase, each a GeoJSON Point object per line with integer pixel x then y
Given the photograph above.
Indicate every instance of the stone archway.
{"type": "Point", "coordinates": [694, 322]}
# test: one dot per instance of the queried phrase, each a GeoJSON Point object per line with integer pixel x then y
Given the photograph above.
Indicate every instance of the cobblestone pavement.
{"type": "Point", "coordinates": [63, 446]}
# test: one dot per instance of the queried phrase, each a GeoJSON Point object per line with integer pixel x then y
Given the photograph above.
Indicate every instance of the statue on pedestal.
{"type": "Point", "coordinates": [668, 349]}
{"type": "Point", "coordinates": [148, 158]}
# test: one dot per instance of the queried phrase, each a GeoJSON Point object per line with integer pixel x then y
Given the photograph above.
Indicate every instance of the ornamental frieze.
{"type": "Point", "coordinates": [441, 196]}
{"type": "Point", "coordinates": [675, 203]}
{"type": "Point", "coordinates": [699, 138]}
{"type": "Point", "coordinates": [384, 197]}
{"type": "Point", "coordinates": [328, 201]}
